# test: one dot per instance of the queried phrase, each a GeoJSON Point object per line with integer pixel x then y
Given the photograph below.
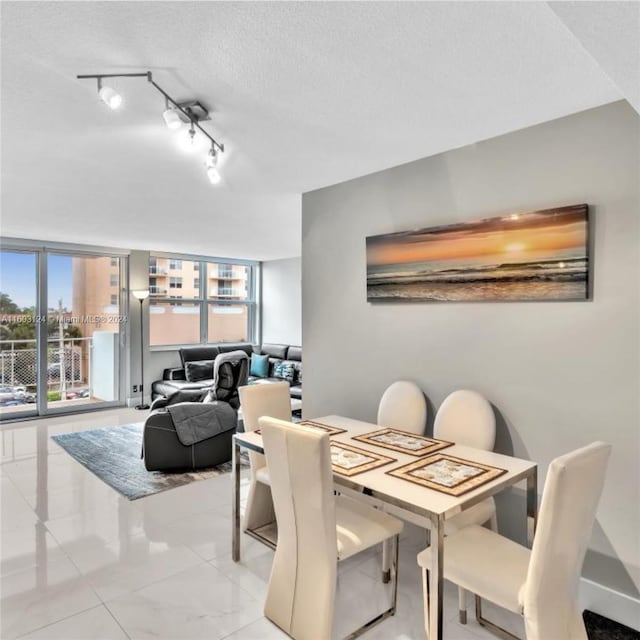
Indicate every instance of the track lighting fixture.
{"type": "Point", "coordinates": [174, 115]}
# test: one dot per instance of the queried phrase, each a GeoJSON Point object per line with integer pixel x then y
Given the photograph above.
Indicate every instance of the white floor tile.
{"type": "Point", "coordinates": [129, 564]}
{"type": "Point", "coordinates": [252, 572]}
{"type": "Point", "coordinates": [208, 534]}
{"type": "Point", "coordinates": [15, 512]}
{"type": "Point", "coordinates": [28, 547]}
{"type": "Point", "coordinates": [100, 527]}
{"type": "Point", "coordinates": [197, 603]}
{"type": "Point", "coordinates": [94, 624]}
{"type": "Point", "coordinates": [262, 629]}
{"type": "Point", "coordinates": [41, 595]}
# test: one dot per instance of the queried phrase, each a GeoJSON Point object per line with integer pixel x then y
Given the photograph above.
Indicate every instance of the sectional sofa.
{"type": "Point", "coordinates": [196, 371]}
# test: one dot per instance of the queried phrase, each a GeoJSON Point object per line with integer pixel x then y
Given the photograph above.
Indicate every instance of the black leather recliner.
{"type": "Point", "coordinates": [193, 428]}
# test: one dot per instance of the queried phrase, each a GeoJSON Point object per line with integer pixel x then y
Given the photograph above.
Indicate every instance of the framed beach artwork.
{"type": "Point", "coordinates": [540, 255]}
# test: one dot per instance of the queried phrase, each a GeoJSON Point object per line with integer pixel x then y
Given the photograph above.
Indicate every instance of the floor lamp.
{"type": "Point", "coordinates": [142, 295]}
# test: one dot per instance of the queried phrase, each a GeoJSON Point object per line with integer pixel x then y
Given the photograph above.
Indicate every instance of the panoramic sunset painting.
{"type": "Point", "coordinates": [540, 255]}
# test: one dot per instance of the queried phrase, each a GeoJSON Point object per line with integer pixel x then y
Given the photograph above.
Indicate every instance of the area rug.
{"type": "Point", "coordinates": [113, 454]}
{"type": "Point", "coordinates": [601, 628]}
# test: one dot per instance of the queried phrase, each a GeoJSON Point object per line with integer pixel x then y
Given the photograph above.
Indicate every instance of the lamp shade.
{"type": "Point", "coordinates": [141, 294]}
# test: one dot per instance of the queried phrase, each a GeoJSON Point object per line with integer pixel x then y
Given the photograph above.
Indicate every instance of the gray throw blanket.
{"type": "Point", "coordinates": [195, 422]}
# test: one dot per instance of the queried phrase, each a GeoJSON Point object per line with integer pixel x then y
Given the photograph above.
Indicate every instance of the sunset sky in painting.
{"type": "Point", "coordinates": [510, 238]}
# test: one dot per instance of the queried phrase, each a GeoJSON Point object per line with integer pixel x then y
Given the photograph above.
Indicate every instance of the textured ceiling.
{"type": "Point", "coordinates": [303, 95]}
{"type": "Point", "coordinates": [610, 32]}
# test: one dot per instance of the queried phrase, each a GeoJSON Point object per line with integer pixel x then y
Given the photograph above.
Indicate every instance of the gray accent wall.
{"type": "Point", "coordinates": [560, 374]}
{"type": "Point", "coordinates": [281, 301]}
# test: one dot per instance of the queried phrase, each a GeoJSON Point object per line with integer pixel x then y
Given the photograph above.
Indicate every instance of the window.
{"type": "Point", "coordinates": [225, 288]}
{"type": "Point", "coordinates": [113, 279]}
{"type": "Point", "coordinates": [114, 299]}
{"type": "Point", "coordinates": [114, 262]}
{"type": "Point", "coordinates": [220, 307]}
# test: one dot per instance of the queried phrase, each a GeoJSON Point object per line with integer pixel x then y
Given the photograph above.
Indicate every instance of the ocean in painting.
{"type": "Point", "coordinates": [557, 279]}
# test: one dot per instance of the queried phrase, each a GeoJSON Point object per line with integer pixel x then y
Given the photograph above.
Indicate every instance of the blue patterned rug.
{"type": "Point", "coordinates": [113, 454]}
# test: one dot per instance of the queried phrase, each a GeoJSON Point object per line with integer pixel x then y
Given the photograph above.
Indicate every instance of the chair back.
{"type": "Point", "coordinates": [403, 406]}
{"type": "Point", "coordinates": [230, 371]}
{"type": "Point", "coordinates": [465, 417]}
{"type": "Point", "coordinates": [301, 592]}
{"type": "Point", "coordinates": [567, 511]}
{"type": "Point", "coordinates": [266, 399]}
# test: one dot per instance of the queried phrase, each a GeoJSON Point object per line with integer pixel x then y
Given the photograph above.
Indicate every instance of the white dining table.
{"type": "Point", "coordinates": [400, 497]}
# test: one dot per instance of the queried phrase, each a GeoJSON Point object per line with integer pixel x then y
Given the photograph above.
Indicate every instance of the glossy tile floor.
{"type": "Point", "coordinates": [80, 562]}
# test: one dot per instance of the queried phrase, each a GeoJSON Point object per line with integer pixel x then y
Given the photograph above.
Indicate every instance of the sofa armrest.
{"type": "Point", "coordinates": [159, 403]}
{"type": "Point", "coordinates": [174, 374]}
{"type": "Point", "coordinates": [160, 419]}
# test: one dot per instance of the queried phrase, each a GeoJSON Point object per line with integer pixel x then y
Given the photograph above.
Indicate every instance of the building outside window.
{"type": "Point", "coordinates": [219, 307]}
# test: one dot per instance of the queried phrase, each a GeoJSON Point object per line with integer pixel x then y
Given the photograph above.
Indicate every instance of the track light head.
{"type": "Point", "coordinates": [112, 99]}
{"type": "Point", "coordinates": [189, 140]}
{"type": "Point", "coordinates": [212, 158]}
{"type": "Point", "coordinates": [211, 162]}
{"type": "Point", "coordinates": [214, 175]}
{"type": "Point", "coordinates": [172, 118]}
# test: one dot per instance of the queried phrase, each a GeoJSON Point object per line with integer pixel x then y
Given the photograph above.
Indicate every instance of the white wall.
{"type": "Point", "coordinates": [281, 301]}
{"type": "Point", "coordinates": [559, 374]}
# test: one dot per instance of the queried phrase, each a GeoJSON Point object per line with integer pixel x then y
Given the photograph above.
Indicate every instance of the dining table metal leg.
{"type": "Point", "coordinates": [436, 578]}
{"type": "Point", "coordinates": [235, 501]}
{"type": "Point", "coordinates": [532, 505]}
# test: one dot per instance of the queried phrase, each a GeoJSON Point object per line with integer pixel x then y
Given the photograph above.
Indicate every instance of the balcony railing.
{"type": "Point", "coordinates": [68, 367]}
{"type": "Point", "coordinates": [233, 293]}
{"type": "Point", "coordinates": [155, 290]}
{"type": "Point", "coordinates": [74, 372]}
{"type": "Point", "coordinates": [157, 271]}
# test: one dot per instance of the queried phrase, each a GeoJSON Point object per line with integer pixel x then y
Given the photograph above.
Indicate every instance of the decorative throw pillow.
{"type": "Point", "coordinates": [197, 370]}
{"type": "Point", "coordinates": [285, 371]}
{"type": "Point", "coordinates": [259, 366]}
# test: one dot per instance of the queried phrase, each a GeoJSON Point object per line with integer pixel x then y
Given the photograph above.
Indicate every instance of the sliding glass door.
{"type": "Point", "coordinates": [84, 328]}
{"type": "Point", "coordinates": [63, 332]}
{"type": "Point", "coordinates": [18, 334]}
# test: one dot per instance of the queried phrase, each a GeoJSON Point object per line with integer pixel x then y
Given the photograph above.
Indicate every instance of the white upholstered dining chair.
{"type": "Point", "coordinates": [315, 530]}
{"type": "Point", "coordinates": [467, 418]}
{"type": "Point", "coordinates": [403, 406]}
{"type": "Point", "coordinates": [540, 583]}
{"type": "Point", "coordinates": [261, 400]}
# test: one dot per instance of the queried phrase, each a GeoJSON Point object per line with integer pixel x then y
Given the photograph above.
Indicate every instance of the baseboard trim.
{"type": "Point", "coordinates": [609, 603]}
